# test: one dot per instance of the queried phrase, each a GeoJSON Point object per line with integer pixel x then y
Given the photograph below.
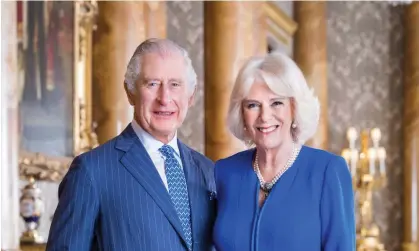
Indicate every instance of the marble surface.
{"type": "Point", "coordinates": [9, 137]}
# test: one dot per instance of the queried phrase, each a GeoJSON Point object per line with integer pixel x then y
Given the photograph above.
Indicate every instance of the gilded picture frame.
{"type": "Point", "coordinates": [50, 167]}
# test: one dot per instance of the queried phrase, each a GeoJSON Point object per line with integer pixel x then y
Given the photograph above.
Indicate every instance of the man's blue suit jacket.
{"type": "Point", "coordinates": [112, 198]}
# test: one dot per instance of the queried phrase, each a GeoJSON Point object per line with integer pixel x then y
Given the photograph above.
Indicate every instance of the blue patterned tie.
{"type": "Point", "coordinates": [178, 190]}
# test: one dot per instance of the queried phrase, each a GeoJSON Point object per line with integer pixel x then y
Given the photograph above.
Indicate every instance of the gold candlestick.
{"type": "Point", "coordinates": [367, 167]}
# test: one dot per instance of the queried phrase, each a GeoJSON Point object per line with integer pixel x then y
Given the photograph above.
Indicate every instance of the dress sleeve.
{"type": "Point", "coordinates": [337, 208]}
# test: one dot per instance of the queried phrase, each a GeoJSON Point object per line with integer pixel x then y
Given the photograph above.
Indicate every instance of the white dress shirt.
{"type": "Point", "coordinates": [152, 147]}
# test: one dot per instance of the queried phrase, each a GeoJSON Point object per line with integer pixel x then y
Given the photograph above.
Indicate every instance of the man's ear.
{"type": "Point", "coordinates": [131, 98]}
{"type": "Point", "coordinates": [192, 97]}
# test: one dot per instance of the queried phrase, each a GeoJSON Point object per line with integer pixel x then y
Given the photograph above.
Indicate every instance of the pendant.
{"type": "Point", "coordinates": [265, 191]}
{"type": "Point", "coordinates": [266, 187]}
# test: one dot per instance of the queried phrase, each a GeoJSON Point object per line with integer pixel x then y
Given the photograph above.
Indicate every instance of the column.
{"type": "Point", "coordinates": [229, 40]}
{"type": "Point", "coordinates": [9, 129]}
{"type": "Point", "coordinates": [121, 27]}
{"type": "Point", "coordinates": [310, 53]}
{"type": "Point", "coordinates": [411, 129]}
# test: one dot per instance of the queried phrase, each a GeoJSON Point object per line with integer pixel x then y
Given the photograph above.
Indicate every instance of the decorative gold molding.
{"type": "Point", "coordinates": [279, 20]}
{"type": "Point", "coordinates": [84, 136]}
{"type": "Point", "coordinates": [44, 167]}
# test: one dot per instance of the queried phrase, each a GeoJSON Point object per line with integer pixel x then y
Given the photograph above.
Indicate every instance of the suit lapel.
{"type": "Point", "coordinates": [193, 176]}
{"type": "Point", "coordinates": [139, 164]}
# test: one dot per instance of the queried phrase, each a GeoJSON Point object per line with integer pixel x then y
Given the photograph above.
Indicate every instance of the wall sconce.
{"type": "Point", "coordinates": [368, 171]}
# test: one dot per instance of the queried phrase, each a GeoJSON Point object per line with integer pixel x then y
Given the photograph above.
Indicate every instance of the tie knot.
{"type": "Point", "coordinates": [166, 150]}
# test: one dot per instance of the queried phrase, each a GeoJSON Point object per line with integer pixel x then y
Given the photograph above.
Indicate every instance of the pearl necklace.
{"type": "Point", "coordinates": [266, 187]}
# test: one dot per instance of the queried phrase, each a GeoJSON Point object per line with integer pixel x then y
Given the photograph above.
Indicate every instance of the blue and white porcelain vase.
{"type": "Point", "coordinates": [31, 209]}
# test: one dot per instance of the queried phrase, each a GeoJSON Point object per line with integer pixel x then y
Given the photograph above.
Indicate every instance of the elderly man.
{"type": "Point", "coordinates": [143, 190]}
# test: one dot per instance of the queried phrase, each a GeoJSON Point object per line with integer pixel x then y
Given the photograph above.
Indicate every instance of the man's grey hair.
{"type": "Point", "coordinates": [162, 47]}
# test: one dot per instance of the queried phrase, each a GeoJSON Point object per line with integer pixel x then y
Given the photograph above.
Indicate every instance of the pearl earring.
{"type": "Point", "coordinates": [294, 125]}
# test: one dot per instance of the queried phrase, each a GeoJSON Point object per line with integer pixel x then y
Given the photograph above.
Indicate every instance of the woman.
{"type": "Point", "coordinates": [280, 195]}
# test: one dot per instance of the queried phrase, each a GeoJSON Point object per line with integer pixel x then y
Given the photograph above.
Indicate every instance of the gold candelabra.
{"type": "Point", "coordinates": [368, 172]}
